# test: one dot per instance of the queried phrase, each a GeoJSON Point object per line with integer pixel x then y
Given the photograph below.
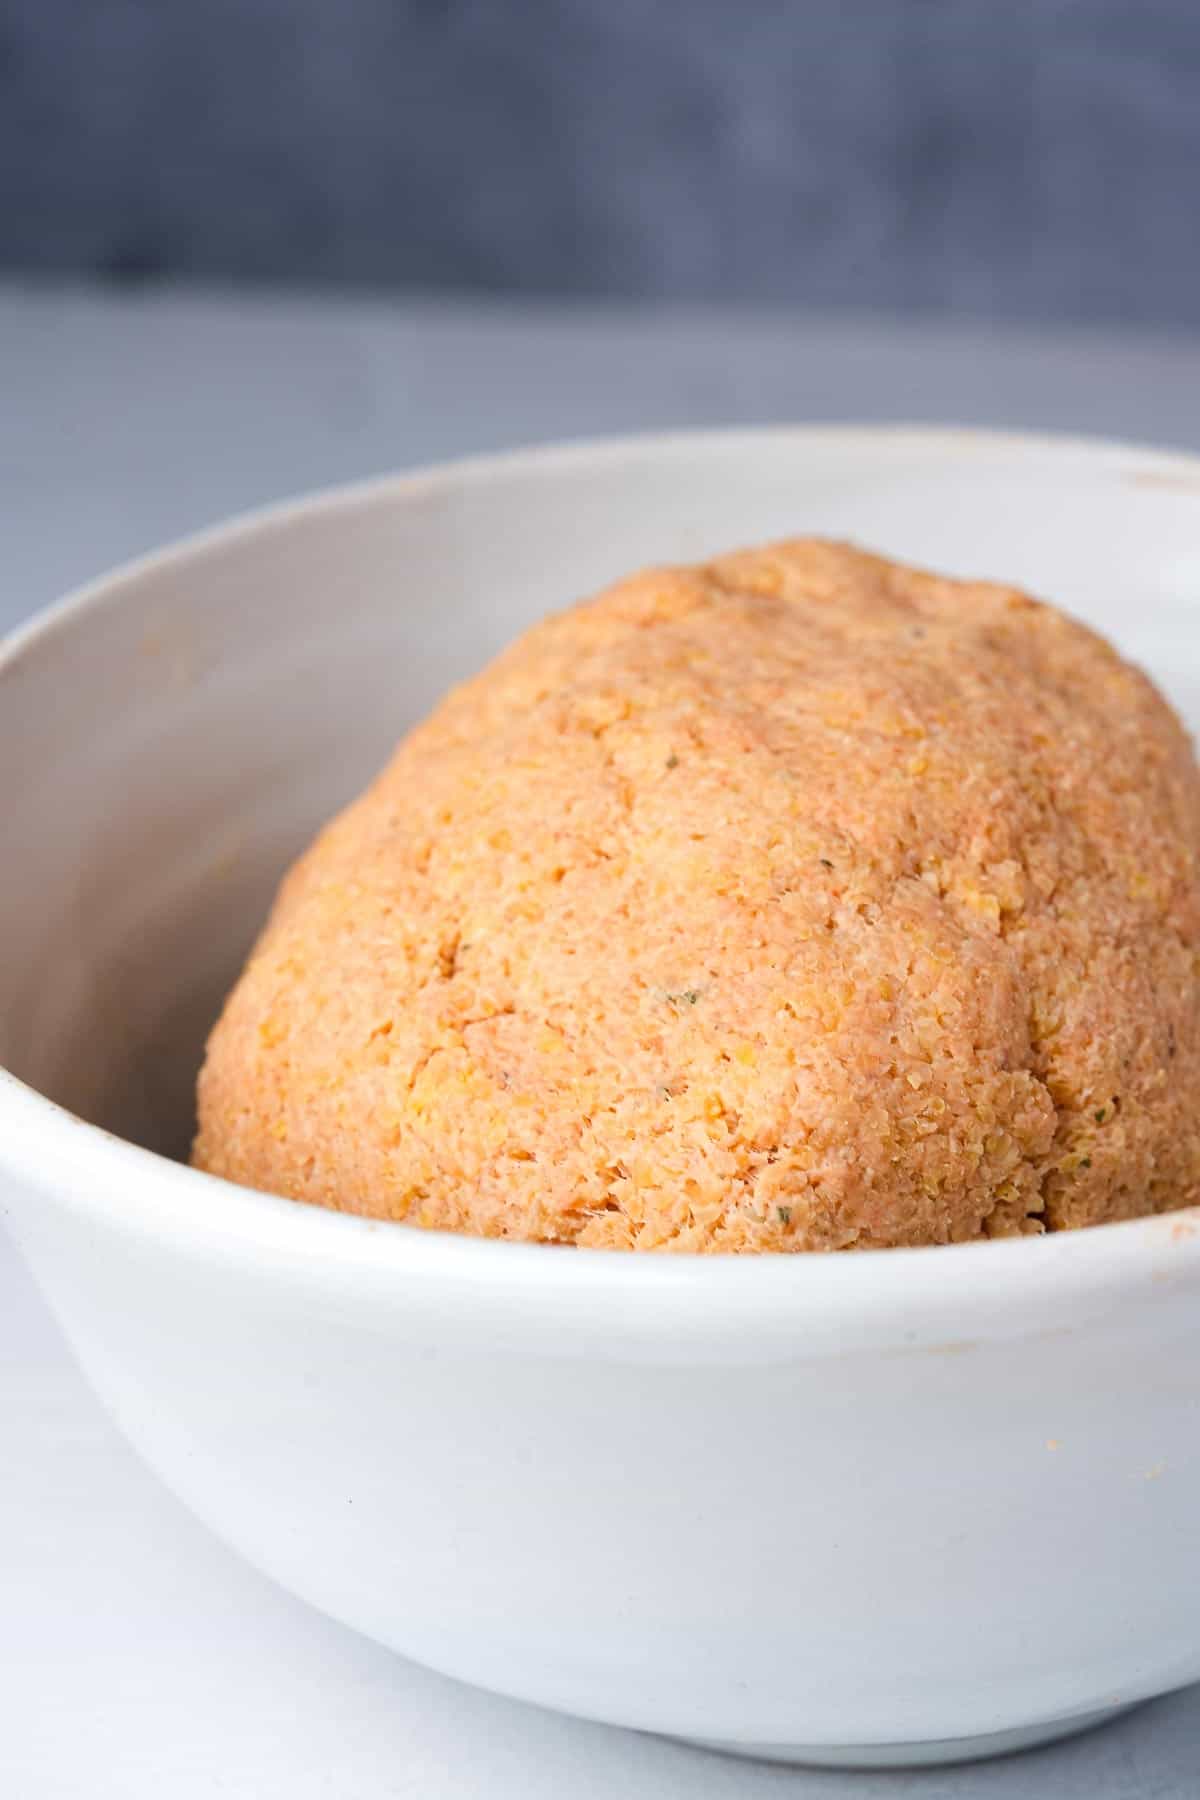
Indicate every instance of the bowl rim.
{"type": "Point", "coordinates": [942, 1296]}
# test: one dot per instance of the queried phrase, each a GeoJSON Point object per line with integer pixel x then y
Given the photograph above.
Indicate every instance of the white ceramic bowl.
{"type": "Point", "coordinates": [892, 1506]}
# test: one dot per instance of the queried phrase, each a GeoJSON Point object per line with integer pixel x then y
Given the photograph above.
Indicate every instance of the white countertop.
{"type": "Point", "coordinates": [138, 1658]}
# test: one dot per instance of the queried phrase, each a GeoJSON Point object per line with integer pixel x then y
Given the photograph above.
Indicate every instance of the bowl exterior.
{"type": "Point", "coordinates": [884, 1548]}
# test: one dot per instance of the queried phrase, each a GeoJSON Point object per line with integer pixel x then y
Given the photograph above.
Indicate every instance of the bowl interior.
{"type": "Point", "coordinates": [171, 739]}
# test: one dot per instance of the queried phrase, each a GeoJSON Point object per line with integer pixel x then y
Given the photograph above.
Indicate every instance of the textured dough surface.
{"type": "Point", "coordinates": [794, 901]}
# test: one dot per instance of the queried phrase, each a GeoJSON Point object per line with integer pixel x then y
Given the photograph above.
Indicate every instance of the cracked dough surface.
{"type": "Point", "coordinates": [794, 901]}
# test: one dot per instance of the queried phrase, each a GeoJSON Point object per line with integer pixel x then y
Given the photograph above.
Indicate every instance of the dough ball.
{"type": "Point", "coordinates": [795, 901]}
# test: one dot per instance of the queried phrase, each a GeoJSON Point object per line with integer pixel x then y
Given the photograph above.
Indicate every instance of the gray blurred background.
{"type": "Point", "coordinates": [1012, 159]}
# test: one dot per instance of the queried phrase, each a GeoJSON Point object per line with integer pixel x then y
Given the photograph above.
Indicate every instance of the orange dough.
{"type": "Point", "coordinates": [796, 901]}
